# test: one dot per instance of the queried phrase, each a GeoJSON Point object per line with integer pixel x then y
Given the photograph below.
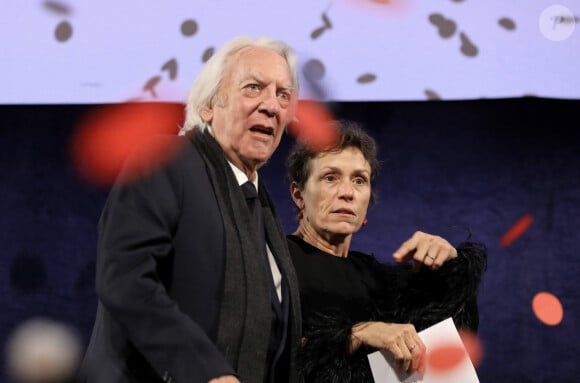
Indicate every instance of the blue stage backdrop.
{"type": "Point", "coordinates": [454, 168]}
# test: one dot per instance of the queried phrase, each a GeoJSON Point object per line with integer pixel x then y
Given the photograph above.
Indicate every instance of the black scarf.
{"type": "Point", "coordinates": [245, 313]}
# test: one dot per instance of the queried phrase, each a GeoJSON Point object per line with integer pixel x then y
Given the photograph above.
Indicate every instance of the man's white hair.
{"type": "Point", "coordinates": [207, 83]}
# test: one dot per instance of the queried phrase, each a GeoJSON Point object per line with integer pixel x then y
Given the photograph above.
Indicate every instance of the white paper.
{"type": "Point", "coordinates": [444, 332]}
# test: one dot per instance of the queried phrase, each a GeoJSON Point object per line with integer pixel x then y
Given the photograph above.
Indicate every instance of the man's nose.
{"type": "Point", "coordinates": [270, 103]}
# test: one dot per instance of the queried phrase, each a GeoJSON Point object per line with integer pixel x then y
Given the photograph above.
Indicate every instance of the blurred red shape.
{"type": "Point", "coordinates": [445, 357]}
{"type": "Point", "coordinates": [108, 135]}
{"type": "Point", "coordinates": [387, 7]}
{"type": "Point", "coordinates": [517, 230]}
{"type": "Point", "coordinates": [312, 126]}
{"type": "Point", "coordinates": [548, 308]}
{"type": "Point", "coordinates": [472, 346]}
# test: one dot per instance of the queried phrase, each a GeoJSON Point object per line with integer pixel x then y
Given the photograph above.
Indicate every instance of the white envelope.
{"type": "Point", "coordinates": [442, 333]}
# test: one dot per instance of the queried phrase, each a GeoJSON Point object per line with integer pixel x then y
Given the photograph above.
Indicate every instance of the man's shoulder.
{"type": "Point", "coordinates": [158, 154]}
{"type": "Point", "coordinates": [160, 148]}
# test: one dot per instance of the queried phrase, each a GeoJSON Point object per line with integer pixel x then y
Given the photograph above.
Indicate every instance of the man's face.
{"type": "Point", "coordinates": [254, 104]}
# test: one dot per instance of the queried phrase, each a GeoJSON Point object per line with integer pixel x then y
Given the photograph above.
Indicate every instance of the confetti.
{"type": "Point", "coordinates": [366, 78]}
{"type": "Point", "coordinates": [314, 69]}
{"type": "Point", "coordinates": [387, 7]}
{"type": "Point", "coordinates": [507, 23]}
{"type": "Point", "coordinates": [472, 346]}
{"type": "Point", "coordinates": [207, 54]}
{"type": "Point", "coordinates": [42, 350]}
{"type": "Point", "coordinates": [517, 230]}
{"type": "Point", "coordinates": [445, 27]}
{"type": "Point", "coordinates": [444, 358]}
{"type": "Point", "coordinates": [57, 7]}
{"type": "Point", "coordinates": [151, 84]}
{"type": "Point", "coordinates": [447, 356]}
{"type": "Point", "coordinates": [432, 95]}
{"type": "Point", "coordinates": [467, 47]}
{"type": "Point", "coordinates": [189, 28]}
{"type": "Point", "coordinates": [318, 31]}
{"type": "Point", "coordinates": [108, 135]}
{"type": "Point", "coordinates": [548, 308]}
{"type": "Point", "coordinates": [171, 67]}
{"type": "Point", "coordinates": [63, 31]}
{"type": "Point", "coordinates": [312, 125]}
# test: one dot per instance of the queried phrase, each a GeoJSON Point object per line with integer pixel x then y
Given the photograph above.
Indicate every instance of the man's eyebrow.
{"type": "Point", "coordinates": [249, 78]}
{"type": "Point", "coordinates": [290, 88]}
{"type": "Point", "coordinates": [252, 77]}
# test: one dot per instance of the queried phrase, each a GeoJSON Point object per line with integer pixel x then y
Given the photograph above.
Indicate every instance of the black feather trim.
{"type": "Point", "coordinates": [324, 357]}
{"type": "Point", "coordinates": [422, 298]}
{"type": "Point", "coordinates": [426, 297]}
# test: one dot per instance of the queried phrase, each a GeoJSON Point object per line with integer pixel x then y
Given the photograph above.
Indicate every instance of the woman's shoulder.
{"type": "Point", "coordinates": [300, 249]}
{"type": "Point", "coordinates": [297, 246]}
{"type": "Point", "coordinates": [366, 260]}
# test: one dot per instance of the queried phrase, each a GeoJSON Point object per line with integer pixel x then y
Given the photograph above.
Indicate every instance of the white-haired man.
{"type": "Point", "coordinates": [186, 292]}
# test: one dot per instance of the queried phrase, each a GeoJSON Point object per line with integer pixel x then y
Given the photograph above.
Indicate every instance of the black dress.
{"type": "Point", "coordinates": [336, 293]}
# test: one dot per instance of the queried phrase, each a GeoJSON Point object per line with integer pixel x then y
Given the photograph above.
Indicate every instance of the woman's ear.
{"type": "Point", "coordinates": [296, 194]}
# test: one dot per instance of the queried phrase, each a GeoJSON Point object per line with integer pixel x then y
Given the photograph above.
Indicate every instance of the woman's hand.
{"type": "Point", "coordinates": [401, 340]}
{"type": "Point", "coordinates": [425, 249]}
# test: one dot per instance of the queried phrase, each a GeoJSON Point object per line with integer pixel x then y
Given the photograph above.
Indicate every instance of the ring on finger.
{"type": "Point", "coordinates": [430, 257]}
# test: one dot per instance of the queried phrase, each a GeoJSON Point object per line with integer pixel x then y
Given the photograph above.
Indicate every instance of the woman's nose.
{"type": "Point", "coordinates": [346, 189]}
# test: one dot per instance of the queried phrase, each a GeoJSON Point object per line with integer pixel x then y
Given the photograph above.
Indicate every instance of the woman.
{"type": "Point", "coordinates": [352, 304]}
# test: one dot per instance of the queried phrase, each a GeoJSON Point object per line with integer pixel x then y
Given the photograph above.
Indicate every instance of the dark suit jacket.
{"type": "Point", "coordinates": [159, 278]}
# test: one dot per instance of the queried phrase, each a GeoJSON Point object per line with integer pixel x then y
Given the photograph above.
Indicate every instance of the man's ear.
{"type": "Point", "coordinates": [296, 194]}
{"type": "Point", "coordinates": [206, 112]}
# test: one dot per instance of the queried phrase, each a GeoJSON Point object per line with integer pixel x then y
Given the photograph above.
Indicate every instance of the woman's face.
{"type": "Point", "coordinates": [336, 195]}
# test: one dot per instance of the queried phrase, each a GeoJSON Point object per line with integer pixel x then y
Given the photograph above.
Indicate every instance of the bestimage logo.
{"type": "Point", "coordinates": [557, 22]}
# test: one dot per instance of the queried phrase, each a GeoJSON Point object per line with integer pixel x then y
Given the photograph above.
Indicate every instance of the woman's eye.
{"type": "Point", "coordinates": [329, 178]}
{"type": "Point", "coordinates": [359, 181]}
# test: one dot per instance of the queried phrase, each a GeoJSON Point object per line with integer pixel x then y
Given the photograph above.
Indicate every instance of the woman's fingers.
{"type": "Point", "coordinates": [431, 250]}
{"type": "Point", "coordinates": [408, 349]}
{"type": "Point", "coordinates": [401, 340]}
{"type": "Point", "coordinates": [401, 355]}
{"type": "Point", "coordinates": [417, 350]}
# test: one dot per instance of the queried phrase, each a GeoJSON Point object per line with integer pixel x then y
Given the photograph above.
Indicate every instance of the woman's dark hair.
{"type": "Point", "coordinates": [350, 135]}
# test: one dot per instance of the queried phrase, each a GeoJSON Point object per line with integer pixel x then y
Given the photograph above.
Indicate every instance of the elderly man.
{"type": "Point", "coordinates": [194, 279]}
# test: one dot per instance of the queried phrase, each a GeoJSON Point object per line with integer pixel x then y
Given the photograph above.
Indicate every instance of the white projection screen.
{"type": "Point", "coordinates": [65, 51]}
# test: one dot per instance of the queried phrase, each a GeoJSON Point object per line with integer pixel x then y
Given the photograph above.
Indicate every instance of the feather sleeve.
{"type": "Point", "coordinates": [323, 356]}
{"type": "Point", "coordinates": [426, 297]}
